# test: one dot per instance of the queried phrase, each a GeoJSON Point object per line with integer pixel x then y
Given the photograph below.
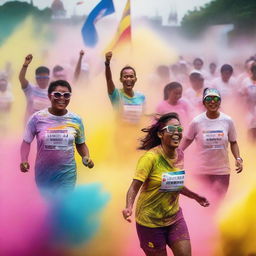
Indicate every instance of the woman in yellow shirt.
{"type": "Point", "coordinates": [159, 219]}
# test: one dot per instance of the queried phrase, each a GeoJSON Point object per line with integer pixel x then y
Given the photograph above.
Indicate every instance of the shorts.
{"type": "Point", "coordinates": [218, 183]}
{"type": "Point", "coordinates": [155, 239]}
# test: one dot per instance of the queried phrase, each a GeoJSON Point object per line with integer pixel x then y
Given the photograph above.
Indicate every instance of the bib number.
{"type": "Point", "coordinates": [213, 139]}
{"type": "Point", "coordinates": [132, 113]}
{"type": "Point", "coordinates": [172, 181]}
{"type": "Point", "coordinates": [56, 139]}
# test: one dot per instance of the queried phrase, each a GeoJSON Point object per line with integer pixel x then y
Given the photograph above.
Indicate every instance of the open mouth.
{"type": "Point", "coordinates": [61, 103]}
{"type": "Point", "coordinates": [176, 139]}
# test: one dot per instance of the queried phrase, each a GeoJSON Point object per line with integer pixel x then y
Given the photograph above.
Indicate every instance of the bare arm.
{"type": "Point", "coordinates": [23, 71]}
{"type": "Point", "coordinates": [236, 153]}
{"type": "Point", "coordinates": [200, 199]}
{"type": "Point", "coordinates": [83, 151]}
{"type": "Point", "coordinates": [185, 143]}
{"type": "Point", "coordinates": [24, 153]}
{"type": "Point", "coordinates": [78, 65]}
{"type": "Point", "coordinates": [108, 74]}
{"type": "Point", "coordinates": [130, 198]}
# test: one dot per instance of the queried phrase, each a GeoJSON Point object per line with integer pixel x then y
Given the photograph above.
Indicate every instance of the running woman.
{"type": "Point", "coordinates": [213, 131]}
{"type": "Point", "coordinates": [159, 219]}
{"type": "Point", "coordinates": [56, 130]}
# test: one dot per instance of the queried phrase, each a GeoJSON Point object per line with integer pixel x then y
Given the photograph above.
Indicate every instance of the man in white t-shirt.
{"type": "Point", "coordinates": [36, 95]}
{"type": "Point", "coordinates": [226, 83]}
{"type": "Point", "coordinates": [213, 131]}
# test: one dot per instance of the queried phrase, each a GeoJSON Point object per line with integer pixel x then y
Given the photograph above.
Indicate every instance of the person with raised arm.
{"type": "Point", "coordinates": [128, 103]}
{"type": "Point", "coordinates": [36, 95]}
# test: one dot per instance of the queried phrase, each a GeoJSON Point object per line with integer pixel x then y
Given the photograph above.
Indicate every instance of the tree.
{"type": "Point", "coordinates": [14, 13]}
{"type": "Point", "coordinates": [237, 12]}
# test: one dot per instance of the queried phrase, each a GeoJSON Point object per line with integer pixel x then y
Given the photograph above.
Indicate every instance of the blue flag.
{"type": "Point", "coordinates": [89, 33]}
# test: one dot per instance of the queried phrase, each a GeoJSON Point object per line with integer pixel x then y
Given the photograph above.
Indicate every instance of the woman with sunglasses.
{"type": "Point", "coordinates": [159, 219]}
{"type": "Point", "coordinates": [56, 130]}
{"type": "Point", "coordinates": [213, 132]}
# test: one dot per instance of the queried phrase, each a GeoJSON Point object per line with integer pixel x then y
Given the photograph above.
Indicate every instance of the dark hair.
{"type": "Point", "coordinates": [195, 76]}
{"type": "Point", "coordinates": [212, 64]}
{"type": "Point", "coordinates": [198, 59]}
{"type": "Point", "coordinates": [57, 68]}
{"type": "Point", "coordinates": [127, 67]}
{"type": "Point", "coordinates": [163, 71]}
{"type": "Point", "coordinates": [152, 140]}
{"type": "Point", "coordinates": [56, 83]}
{"type": "Point", "coordinates": [41, 70]}
{"type": "Point", "coordinates": [253, 66]}
{"type": "Point", "coordinates": [226, 67]}
{"type": "Point", "coordinates": [169, 87]}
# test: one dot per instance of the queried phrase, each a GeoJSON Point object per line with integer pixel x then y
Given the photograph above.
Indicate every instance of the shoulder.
{"type": "Point", "coordinates": [161, 103]}
{"type": "Point", "coordinates": [139, 95]}
{"type": "Point", "coordinates": [199, 118]}
{"type": "Point", "coordinates": [150, 155]}
{"type": "Point", "coordinates": [225, 116]}
{"type": "Point", "coordinates": [28, 88]}
{"type": "Point", "coordinates": [74, 116]}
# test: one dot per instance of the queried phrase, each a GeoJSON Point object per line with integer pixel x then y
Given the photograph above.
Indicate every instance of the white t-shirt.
{"type": "Point", "coordinates": [248, 91]}
{"type": "Point", "coordinates": [37, 99]}
{"type": "Point", "coordinates": [212, 137]}
{"type": "Point", "coordinates": [225, 89]}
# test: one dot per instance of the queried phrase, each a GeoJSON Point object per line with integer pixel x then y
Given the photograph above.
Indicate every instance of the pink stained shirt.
{"type": "Point", "coordinates": [181, 108]}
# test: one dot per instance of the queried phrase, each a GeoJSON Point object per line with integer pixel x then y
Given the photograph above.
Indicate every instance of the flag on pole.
{"type": "Point", "coordinates": [123, 34]}
{"type": "Point", "coordinates": [89, 32]}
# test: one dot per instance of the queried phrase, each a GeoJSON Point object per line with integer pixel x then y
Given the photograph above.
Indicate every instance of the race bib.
{"type": "Point", "coordinates": [132, 113]}
{"type": "Point", "coordinates": [213, 139]}
{"type": "Point", "coordinates": [172, 181]}
{"type": "Point", "coordinates": [56, 139]}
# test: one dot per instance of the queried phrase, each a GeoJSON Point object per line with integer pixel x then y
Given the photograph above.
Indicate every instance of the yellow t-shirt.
{"type": "Point", "coordinates": [155, 208]}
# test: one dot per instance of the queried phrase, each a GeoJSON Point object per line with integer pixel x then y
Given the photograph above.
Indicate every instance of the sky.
{"type": "Point", "coordinates": [148, 8]}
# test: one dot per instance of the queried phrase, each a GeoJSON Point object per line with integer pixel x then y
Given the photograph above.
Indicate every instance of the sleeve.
{"type": "Point", "coordinates": [191, 133]}
{"type": "Point", "coordinates": [232, 131]}
{"type": "Point", "coordinates": [27, 91]}
{"type": "Point", "coordinates": [159, 108]}
{"type": "Point", "coordinates": [114, 97]}
{"type": "Point", "coordinates": [80, 138]}
{"type": "Point", "coordinates": [144, 166]}
{"type": "Point", "coordinates": [30, 129]}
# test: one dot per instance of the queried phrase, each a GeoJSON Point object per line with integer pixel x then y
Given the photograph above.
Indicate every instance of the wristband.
{"type": "Point", "coordinates": [85, 160]}
{"type": "Point", "coordinates": [239, 158]}
{"type": "Point", "coordinates": [25, 66]}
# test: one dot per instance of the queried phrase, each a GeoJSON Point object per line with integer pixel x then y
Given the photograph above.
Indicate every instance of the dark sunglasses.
{"type": "Point", "coordinates": [212, 98]}
{"type": "Point", "coordinates": [173, 128]}
{"type": "Point", "coordinates": [42, 77]}
{"type": "Point", "coordinates": [57, 95]}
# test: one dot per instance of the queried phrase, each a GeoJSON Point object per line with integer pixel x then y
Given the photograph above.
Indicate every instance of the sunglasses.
{"type": "Point", "coordinates": [57, 95]}
{"type": "Point", "coordinates": [173, 128]}
{"type": "Point", "coordinates": [42, 77]}
{"type": "Point", "coordinates": [212, 98]}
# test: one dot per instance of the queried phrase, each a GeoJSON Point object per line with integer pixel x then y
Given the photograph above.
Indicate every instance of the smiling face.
{"type": "Point", "coordinates": [174, 95]}
{"type": "Point", "coordinates": [42, 80]}
{"type": "Point", "coordinates": [60, 101]}
{"type": "Point", "coordinates": [225, 75]}
{"type": "Point", "coordinates": [128, 79]}
{"type": "Point", "coordinates": [171, 137]}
